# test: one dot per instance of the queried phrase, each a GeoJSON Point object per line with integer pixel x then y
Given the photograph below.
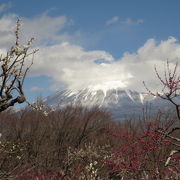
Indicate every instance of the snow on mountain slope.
{"type": "Point", "coordinates": [108, 95]}
{"type": "Point", "coordinates": [112, 96]}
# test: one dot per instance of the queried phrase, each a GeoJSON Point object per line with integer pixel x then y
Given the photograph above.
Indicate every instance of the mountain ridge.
{"type": "Point", "coordinates": [115, 100]}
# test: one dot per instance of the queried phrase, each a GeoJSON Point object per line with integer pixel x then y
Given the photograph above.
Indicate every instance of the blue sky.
{"type": "Point", "coordinates": [160, 20]}
{"type": "Point", "coordinates": [126, 37]}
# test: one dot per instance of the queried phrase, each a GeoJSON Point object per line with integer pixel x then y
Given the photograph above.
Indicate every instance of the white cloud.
{"type": "Point", "coordinates": [4, 7]}
{"type": "Point", "coordinates": [127, 21]}
{"type": "Point", "coordinates": [7, 30]}
{"type": "Point", "coordinates": [76, 68]}
{"type": "Point", "coordinates": [112, 20]}
{"type": "Point", "coordinates": [70, 65]}
{"type": "Point", "coordinates": [131, 21]}
{"type": "Point", "coordinates": [44, 28]}
{"type": "Point", "coordinates": [140, 21]}
{"type": "Point", "coordinates": [36, 89]}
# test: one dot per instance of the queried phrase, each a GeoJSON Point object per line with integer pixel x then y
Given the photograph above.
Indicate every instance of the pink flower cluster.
{"type": "Point", "coordinates": [137, 150]}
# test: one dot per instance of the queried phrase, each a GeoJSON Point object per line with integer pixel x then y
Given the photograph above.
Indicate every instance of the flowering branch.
{"type": "Point", "coordinates": [171, 86]}
{"type": "Point", "coordinates": [13, 72]}
{"type": "Point", "coordinates": [170, 91]}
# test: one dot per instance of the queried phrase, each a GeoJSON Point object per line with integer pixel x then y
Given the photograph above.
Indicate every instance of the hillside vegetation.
{"type": "Point", "coordinates": [80, 144]}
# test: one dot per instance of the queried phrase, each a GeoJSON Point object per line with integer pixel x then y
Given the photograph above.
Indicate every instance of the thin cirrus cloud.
{"type": "Point", "coordinates": [5, 6]}
{"type": "Point", "coordinates": [44, 28]}
{"type": "Point", "coordinates": [36, 89]}
{"type": "Point", "coordinates": [131, 21]}
{"type": "Point", "coordinates": [127, 21]}
{"type": "Point", "coordinates": [74, 67]}
{"type": "Point", "coordinates": [112, 20]}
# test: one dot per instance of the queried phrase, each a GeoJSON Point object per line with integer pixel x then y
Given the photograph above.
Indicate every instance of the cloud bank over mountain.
{"type": "Point", "coordinates": [71, 65]}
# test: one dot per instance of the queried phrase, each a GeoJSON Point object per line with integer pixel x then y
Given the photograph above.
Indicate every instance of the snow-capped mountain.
{"type": "Point", "coordinates": [88, 97]}
{"type": "Point", "coordinates": [111, 96]}
{"type": "Point", "coordinates": [117, 101]}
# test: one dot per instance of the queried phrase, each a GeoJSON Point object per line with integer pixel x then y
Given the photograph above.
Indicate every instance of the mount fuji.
{"type": "Point", "coordinates": [116, 100]}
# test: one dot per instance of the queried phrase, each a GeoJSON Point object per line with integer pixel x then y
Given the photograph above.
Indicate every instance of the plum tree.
{"type": "Point", "coordinates": [13, 71]}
